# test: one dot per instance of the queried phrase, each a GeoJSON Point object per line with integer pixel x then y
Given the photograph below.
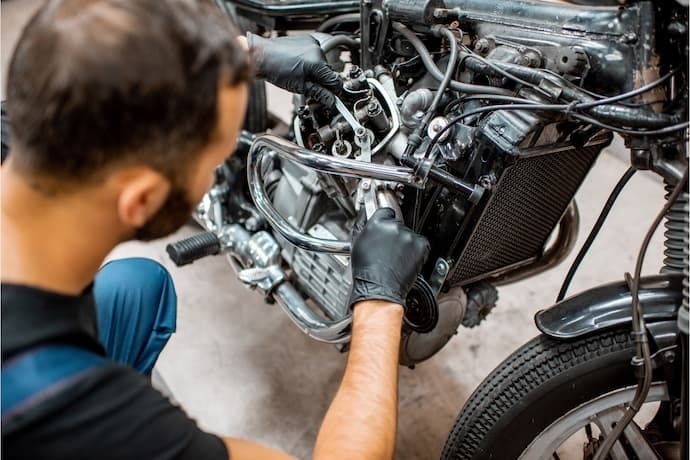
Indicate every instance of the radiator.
{"type": "Point", "coordinates": [527, 203]}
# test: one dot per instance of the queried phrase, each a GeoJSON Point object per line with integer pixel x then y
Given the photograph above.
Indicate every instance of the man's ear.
{"type": "Point", "coordinates": [142, 193]}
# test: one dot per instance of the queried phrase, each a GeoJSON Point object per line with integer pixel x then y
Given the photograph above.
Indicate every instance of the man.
{"type": "Point", "coordinates": [120, 111]}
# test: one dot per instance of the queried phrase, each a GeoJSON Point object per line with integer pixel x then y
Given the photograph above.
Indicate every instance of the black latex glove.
{"type": "Point", "coordinates": [296, 63]}
{"type": "Point", "coordinates": [386, 258]}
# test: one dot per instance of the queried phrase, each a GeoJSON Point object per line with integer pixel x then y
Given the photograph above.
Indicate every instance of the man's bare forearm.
{"type": "Point", "coordinates": [361, 422]}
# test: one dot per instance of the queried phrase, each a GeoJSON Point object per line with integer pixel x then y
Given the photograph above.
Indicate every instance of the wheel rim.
{"type": "Point", "coordinates": [602, 412]}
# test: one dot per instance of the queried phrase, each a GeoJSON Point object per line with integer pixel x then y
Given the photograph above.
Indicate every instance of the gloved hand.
{"type": "Point", "coordinates": [296, 63]}
{"type": "Point", "coordinates": [386, 258]}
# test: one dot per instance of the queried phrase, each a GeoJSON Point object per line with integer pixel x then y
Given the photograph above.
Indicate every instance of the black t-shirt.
{"type": "Point", "coordinates": [111, 413]}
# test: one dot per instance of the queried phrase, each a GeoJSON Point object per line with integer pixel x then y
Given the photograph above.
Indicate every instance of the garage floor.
{"type": "Point", "coordinates": [241, 368]}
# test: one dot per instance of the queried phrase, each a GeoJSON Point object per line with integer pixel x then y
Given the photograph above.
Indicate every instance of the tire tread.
{"type": "Point", "coordinates": [526, 369]}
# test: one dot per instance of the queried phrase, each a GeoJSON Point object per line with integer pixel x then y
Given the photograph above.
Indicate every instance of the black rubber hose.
{"type": "Point", "coordinates": [594, 232]}
{"type": "Point", "coordinates": [339, 40]}
{"type": "Point", "coordinates": [335, 20]}
{"type": "Point", "coordinates": [431, 67]}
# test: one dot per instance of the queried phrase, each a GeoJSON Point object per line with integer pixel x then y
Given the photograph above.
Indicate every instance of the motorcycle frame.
{"type": "Point", "coordinates": [599, 308]}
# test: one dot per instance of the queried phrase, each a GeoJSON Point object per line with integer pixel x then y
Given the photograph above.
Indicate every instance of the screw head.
{"type": "Point", "coordinates": [366, 185]}
{"type": "Point", "coordinates": [669, 357]}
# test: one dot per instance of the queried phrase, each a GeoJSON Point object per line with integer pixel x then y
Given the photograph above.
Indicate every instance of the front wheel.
{"type": "Point", "coordinates": [551, 399]}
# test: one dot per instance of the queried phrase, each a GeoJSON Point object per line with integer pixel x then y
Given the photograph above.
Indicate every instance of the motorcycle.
{"type": "Point", "coordinates": [477, 122]}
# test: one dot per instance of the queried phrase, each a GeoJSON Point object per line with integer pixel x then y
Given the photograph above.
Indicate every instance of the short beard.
{"type": "Point", "coordinates": [174, 213]}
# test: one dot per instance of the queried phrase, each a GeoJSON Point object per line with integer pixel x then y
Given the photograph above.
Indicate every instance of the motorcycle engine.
{"type": "Point", "coordinates": [443, 88]}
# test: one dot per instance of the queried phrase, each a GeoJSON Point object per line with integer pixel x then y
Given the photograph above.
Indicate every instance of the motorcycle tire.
{"type": "Point", "coordinates": [535, 386]}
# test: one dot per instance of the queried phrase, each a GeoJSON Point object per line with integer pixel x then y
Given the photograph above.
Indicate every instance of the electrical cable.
{"type": "Point", "coordinates": [431, 67]}
{"type": "Point", "coordinates": [485, 109]}
{"type": "Point", "coordinates": [486, 97]}
{"type": "Point", "coordinates": [631, 132]}
{"type": "Point", "coordinates": [565, 108]}
{"type": "Point", "coordinates": [639, 330]}
{"type": "Point", "coordinates": [430, 204]}
{"type": "Point", "coordinates": [504, 73]}
{"type": "Point", "coordinates": [594, 232]}
{"type": "Point", "coordinates": [450, 70]}
{"type": "Point", "coordinates": [629, 94]}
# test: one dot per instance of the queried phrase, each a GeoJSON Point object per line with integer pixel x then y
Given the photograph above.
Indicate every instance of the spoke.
{"type": "Point", "coordinates": [606, 421]}
{"type": "Point", "coordinates": [636, 439]}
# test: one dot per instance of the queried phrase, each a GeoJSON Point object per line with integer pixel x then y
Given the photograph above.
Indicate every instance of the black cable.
{"type": "Point", "coordinates": [505, 73]}
{"type": "Point", "coordinates": [565, 108]}
{"type": "Point", "coordinates": [430, 204]}
{"type": "Point", "coordinates": [594, 232]}
{"type": "Point", "coordinates": [486, 97]}
{"type": "Point", "coordinates": [639, 330]}
{"type": "Point", "coordinates": [490, 108]}
{"type": "Point", "coordinates": [629, 94]}
{"type": "Point", "coordinates": [450, 70]}
{"type": "Point", "coordinates": [431, 67]}
{"type": "Point", "coordinates": [630, 132]}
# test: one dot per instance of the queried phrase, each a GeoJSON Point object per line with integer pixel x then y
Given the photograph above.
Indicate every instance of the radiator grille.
{"type": "Point", "coordinates": [529, 200]}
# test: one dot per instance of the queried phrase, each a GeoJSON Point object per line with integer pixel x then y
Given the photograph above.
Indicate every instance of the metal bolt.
{"type": "Point", "coordinates": [366, 185]}
{"type": "Point", "coordinates": [482, 46]}
{"type": "Point", "coordinates": [441, 268]}
{"type": "Point", "coordinates": [251, 224]}
{"type": "Point", "coordinates": [355, 71]}
{"type": "Point", "coordinates": [630, 37]}
{"type": "Point", "coordinates": [670, 357]}
{"type": "Point", "coordinates": [440, 13]}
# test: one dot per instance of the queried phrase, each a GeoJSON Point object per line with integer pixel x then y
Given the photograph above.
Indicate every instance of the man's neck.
{"type": "Point", "coordinates": [53, 243]}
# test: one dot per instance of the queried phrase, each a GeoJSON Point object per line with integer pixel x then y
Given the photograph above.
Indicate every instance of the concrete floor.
{"type": "Point", "coordinates": [241, 368]}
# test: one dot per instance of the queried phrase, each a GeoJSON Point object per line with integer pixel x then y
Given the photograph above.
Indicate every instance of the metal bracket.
{"type": "Point", "coordinates": [438, 277]}
{"type": "Point", "coordinates": [265, 279]}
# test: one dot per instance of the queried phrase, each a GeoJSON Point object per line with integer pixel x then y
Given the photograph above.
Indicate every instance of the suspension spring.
{"type": "Point", "coordinates": [676, 235]}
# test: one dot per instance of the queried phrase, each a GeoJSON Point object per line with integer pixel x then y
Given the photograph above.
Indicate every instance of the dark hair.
{"type": "Point", "coordinates": [97, 83]}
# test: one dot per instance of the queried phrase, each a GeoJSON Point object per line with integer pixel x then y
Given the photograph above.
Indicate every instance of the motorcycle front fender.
{"type": "Point", "coordinates": [608, 306]}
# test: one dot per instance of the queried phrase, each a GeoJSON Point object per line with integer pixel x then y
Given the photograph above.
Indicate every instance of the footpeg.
{"type": "Point", "coordinates": [195, 247]}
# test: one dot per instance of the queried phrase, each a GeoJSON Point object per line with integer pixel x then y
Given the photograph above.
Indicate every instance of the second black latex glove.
{"type": "Point", "coordinates": [296, 63]}
{"type": "Point", "coordinates": [386, 258]}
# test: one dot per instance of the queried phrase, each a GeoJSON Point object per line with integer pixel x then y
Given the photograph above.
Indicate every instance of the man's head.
{"type": "Point", "coordinates": [136, 98]}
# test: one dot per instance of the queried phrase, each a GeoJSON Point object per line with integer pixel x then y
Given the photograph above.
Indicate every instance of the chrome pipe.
{"type": "Point", "coordinates": [292, 303]}
{"type": "Point", "coordinates": [247, 252]}
{"type": "Point", "coordinates": [323, 163]}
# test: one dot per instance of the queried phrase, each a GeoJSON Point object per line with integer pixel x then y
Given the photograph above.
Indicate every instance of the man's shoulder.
{"type": "Point", "coordinates": [111, 412]}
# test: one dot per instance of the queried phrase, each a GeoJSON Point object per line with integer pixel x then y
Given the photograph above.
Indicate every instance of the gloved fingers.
{"type": "Point", "coordinates": [321, 94]}
{"type": "Point", "coordinates": [383, 214]}
{"type": "Point", "coordinates": [328, 78]}
{"type": "Point", "coordinates": [256, 44]}
{"type": "Point", "coordinates": [321, 37]}
{"type": "Point", "coordinates": [425, 248]}
{"type": "Point", "coordinates": [360, 222]}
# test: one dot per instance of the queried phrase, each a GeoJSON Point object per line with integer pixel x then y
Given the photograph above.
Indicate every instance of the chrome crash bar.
{"type": "Point", "coordinates": [319, 162]}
